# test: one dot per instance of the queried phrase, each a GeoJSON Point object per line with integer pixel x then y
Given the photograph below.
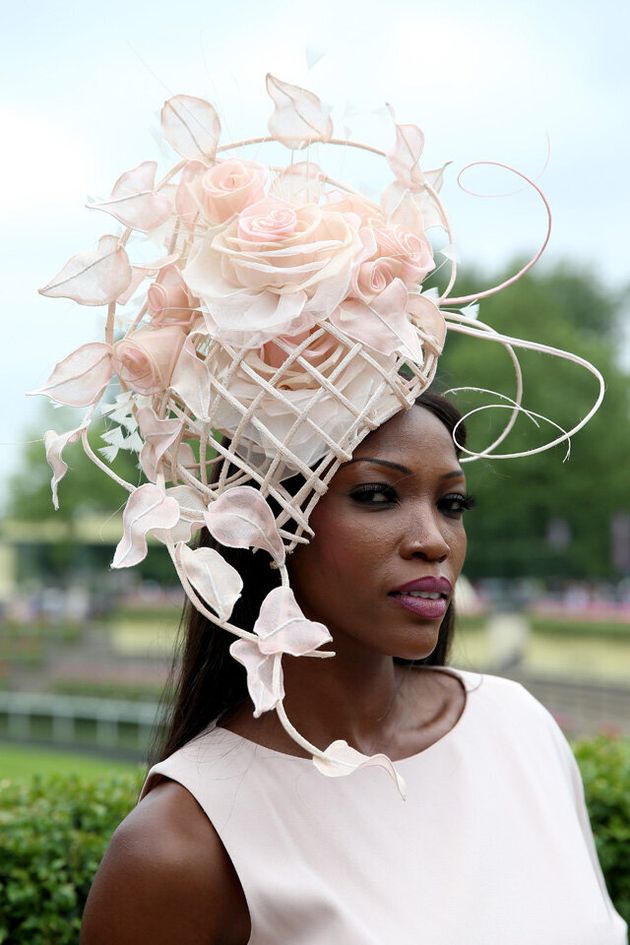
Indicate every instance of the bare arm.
{"type": "Point", "coordinates": [166, 878]}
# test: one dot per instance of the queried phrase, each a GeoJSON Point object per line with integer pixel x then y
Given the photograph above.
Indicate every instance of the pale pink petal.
{"type": "Point", "coordinates": [81, 378]}
{"type": "Point", "coordinates": [186, 203]}
{"type": "Point", "coordinates": [342, 759]}
{"type": "Point", "coordinates": [55, 443]}
{"type": "Point", "coordinates": [435, 177]}
{"type": "Point", "coordinates": [299, 183]}
{"type": "Point", "coordinates": [217, 582]}
{"type": "Point", "coordinates": [191, 511]}
{"type": "Point", "coordinates": [404, 160]}
{"type": "Point", "coordinates": [158, 435]}
{"type": "Point", "coordinates": [147, 508]}
{"type": "Point", "coordinates": [299, 117]}
{"type": "Point", "coordinates": [283, 628]}
{"type": "Point", "coordinates": [96, 277]}
{"type": "Point", "coordinates": [137, 278]}
{"type": "Point", "coordinates": [191, 125]}
{"type": "Point", "coordinates": [185, 456]}
{"type": "Point", "coordinates": [240, 518]}
{"type": "Point", "coordinates": [133, 200]}
{"type": "Point", "coordinates": [426, 315]}
{"type": "Point", "coordinates": [259, 676]}
{"type": "Point", "coordinates": [382, 323]}
{"type": "Point", "coordinates": [191, 380]}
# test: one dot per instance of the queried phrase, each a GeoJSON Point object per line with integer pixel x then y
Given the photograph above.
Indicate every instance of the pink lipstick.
{"type": "Point", "coordinates": [426, 597]}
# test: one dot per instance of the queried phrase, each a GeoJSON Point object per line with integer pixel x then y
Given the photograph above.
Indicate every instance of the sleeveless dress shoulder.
{"type": "Point", "coordinates": [492, 845]}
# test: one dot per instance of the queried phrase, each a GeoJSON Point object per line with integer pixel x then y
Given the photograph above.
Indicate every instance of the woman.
{"type": "Point", "coordinates": [289, 313]}
{"type": "Point", "coordinates": [236, 839]}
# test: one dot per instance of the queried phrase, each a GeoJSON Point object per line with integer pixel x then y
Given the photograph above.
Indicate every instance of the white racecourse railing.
{"type": "Point", "coordinates": [19, 712]}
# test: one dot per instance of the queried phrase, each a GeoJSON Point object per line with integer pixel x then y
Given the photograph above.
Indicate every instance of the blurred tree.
{"type": "Point", "coordinates": [538, 515]}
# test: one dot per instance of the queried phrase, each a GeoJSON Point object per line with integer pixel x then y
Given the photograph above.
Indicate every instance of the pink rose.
{"type": "Point", "coordinates": [170, 301]}
{"type": "Point", "coordinates": [144, 359]}
{"type": "Point", "coordinates": [230, 186]}
{"type": "Point", "coordinates": [399, 254]}
{"type": "Point", "coordinates": [274, 270]}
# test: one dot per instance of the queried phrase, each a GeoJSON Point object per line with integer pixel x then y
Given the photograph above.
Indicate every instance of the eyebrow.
{"type": "Point", "coordinates": [454, 474]}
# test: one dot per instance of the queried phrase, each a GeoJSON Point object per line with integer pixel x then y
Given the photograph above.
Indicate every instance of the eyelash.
{"type": "Point", "coordinates": [362, 493]}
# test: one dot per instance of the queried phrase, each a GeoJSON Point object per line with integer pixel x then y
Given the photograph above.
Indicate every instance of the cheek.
{"type": "Point", "coordinates": [344, 549]}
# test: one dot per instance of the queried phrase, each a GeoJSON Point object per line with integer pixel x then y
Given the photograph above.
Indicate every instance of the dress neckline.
{"type": "Point", "coordinates": [470, 681]}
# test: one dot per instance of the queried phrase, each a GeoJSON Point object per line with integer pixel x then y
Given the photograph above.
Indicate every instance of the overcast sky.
{"type": "Point", "coordinates": [83, 83]}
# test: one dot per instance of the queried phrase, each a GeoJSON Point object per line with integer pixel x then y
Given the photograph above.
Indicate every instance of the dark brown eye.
{"type": "Point", "coordinates": [374, 493]}
{"type": "Point", "coordinates": [455, 504]}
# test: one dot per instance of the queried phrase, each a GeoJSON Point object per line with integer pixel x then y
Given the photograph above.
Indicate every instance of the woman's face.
{"type": "Point", "coordinates": [389, 541]}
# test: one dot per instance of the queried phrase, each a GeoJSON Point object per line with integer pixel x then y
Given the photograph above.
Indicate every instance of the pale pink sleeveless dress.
{"type": "Point", "coordinates": [493, 845]}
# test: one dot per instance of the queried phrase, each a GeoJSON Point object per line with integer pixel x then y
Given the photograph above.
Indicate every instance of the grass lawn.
{"type": "Point", "coordinates": [596, 659]}
{"type": "Point", "coordinates": [21, 762]}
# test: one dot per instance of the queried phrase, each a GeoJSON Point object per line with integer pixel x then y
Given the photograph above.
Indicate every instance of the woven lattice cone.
{"type": "Point", "coordinates": [300, 410]}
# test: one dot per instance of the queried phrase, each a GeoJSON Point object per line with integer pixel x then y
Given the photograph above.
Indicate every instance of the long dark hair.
{"type": "Point", "coordinates": [205, 680]}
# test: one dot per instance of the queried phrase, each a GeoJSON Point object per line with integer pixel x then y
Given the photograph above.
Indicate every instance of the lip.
{"type": "Point", "coordinates": [431, 585]}
{"type": "Point", "coordinates": [421, 607]}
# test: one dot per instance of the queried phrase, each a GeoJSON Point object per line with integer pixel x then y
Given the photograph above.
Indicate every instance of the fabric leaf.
{"type": "Point", "coordinates": [342, 759]}
{"type": "Point", "coordinates": [55, 443]}
{"type": "Point", "coordinates": [133, 200]}
{"type": "Point", "coordinates": [216, 581]}
{"type": "Point", "coordinates": [259, 676]}
{"type": "Point", "coordinates": [240, 518]}
{"type": "Point", "coordinates": [283, 628]}
{"type": "Point", "coordinates": [382, 324]}
{"type": "Point", "coordinates": [147, 508]}
{"type": "Point", "coordinates": [96, 277]}
{"type": "Point", "coordinates": [191, 380]}
{"type": "Point", "coordinates": [428, 317]}
{"type": "Point", "coordinates": [404, 159]}
{"type": "Point", "coordinates": [158, 435]}
{"type": "Point", "coordinates": [191, 125]}
{"type": "Point", "coordinates": [299, 117]}
{"type": "Point", "coordinates": [81, 378]}
{"type": "Point", "coordinates": [191, 511]}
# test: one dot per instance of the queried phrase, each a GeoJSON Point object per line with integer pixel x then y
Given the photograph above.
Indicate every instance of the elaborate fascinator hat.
{"type": "Point", "coordinates": [281, 319]}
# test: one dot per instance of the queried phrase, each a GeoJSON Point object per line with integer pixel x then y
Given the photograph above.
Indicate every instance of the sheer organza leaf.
{"type": "Point", "coordinates": [96, 277]}
{"type": "Point", "coordinates": [191, 511]}
{"type": "Point", "coordinates": [260, 676]}
{"type": "Point", "coordinates": [299, 117]}
{"type": "Point", "coordinates": [133, 200]}
{"type": "Point", "coordinates": [81, 378]}
{"type": "Point", "coordinates": [342, 760]}
{"type": "Point", "coordinates": [283, 628]}
{"type": "Point", "coordinates": [191, 125]}
{"type": "Point", "coordinates": [240, 518]}
{"type": "Point", "coordinates": [147, 508]}
{"type": "Point", "coordinates": [404, 159]}
{"type": "Point", "coordinates": [382, 323]}
{"type": "Point", "coordinates": [216, 581]}
{"type": "Point", "coordinates": [191, 380]}
{"type": "Point", "coordinates": [426, 315]}
{"type": "Point", "coordinates": [54, 444]}
{"type": "Point", "coordinates": [158, 434]}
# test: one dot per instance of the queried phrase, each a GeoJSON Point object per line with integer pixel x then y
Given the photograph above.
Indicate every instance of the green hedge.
{"type": "Point", "coordinates": [53, 834]}
{"type": "Point", "coordinates": [55, 830]}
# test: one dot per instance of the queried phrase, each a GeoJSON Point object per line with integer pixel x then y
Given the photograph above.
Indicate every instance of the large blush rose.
{"type": "Point", "coordinates": [275, 269]}
{"type": "Point", "coordinates": [298, 391]}
{"type": "Point", "coordinates": [144, 359]}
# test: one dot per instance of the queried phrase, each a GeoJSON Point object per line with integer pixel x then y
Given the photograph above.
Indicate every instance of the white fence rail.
{"type": "Point", "coordinates": [21, 716]}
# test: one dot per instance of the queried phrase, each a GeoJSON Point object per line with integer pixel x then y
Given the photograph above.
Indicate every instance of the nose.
{"type": "Point", "coordinates": [424, 539]}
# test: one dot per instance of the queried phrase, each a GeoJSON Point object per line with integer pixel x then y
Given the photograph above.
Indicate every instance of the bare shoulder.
{"type": "Point", "coordinates": [166, 877]}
